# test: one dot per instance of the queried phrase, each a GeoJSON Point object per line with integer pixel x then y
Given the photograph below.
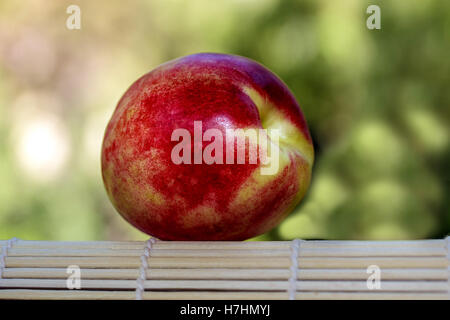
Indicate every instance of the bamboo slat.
{"type": "Point", "coordinates": [225, 270]}
{"type": "Point", "coordinates": [211, 274]}
{"type": "Point", "coordinates": [211, 295]}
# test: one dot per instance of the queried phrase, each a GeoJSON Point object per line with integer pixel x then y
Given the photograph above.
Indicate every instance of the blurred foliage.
{"type": "Point", "coordinates": [377, 103]}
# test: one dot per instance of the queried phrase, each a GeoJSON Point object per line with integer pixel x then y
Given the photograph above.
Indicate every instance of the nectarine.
{"type": "Point", "coordinates": [207, 147]}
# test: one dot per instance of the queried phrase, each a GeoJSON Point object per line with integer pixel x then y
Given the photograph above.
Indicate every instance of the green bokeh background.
{"type": "Point", "coordinates": [377, 103]}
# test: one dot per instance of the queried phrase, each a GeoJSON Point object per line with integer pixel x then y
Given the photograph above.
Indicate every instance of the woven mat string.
{"type": "Point", "coordinates": [295, 249]}
{"type": "Point", "coordinates": [140, 282]}
{"type": "Point", "coordinates": [447, 243]}
{"type": "Point", "coordinates": [4, 254]}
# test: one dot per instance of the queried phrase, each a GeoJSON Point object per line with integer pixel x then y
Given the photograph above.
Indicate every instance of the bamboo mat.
{"type": "Point", "coordinates": [225, 270]}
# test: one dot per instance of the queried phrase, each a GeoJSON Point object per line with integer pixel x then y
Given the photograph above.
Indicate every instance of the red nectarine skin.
{"type": "Point", "coordinates": [201, 201]}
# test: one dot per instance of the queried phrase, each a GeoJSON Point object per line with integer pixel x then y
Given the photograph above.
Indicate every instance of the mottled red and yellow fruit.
{"type": "Point", "coordinates": [200, 201]}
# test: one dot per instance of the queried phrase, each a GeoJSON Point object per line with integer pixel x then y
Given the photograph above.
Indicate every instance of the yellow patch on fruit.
{"type": "Point", "coordinates": [153, 196]}
{"type": "Point", "coordinates": [137, 198]}
{"type": "Point", "coordinates": [257, 181]}
{"type": "Point", "coordinates": [304, 176]}
{"type": "Point", "coordinates": [107, 177]}
{"type": "Point", "coordinates": [131, 112]}
{"type": "Point", "coordinates": [199, 216]}
{"type": "Point", "coordinates": [145, 168]}
{"type": "Point", "coordinates": [272, 118]}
